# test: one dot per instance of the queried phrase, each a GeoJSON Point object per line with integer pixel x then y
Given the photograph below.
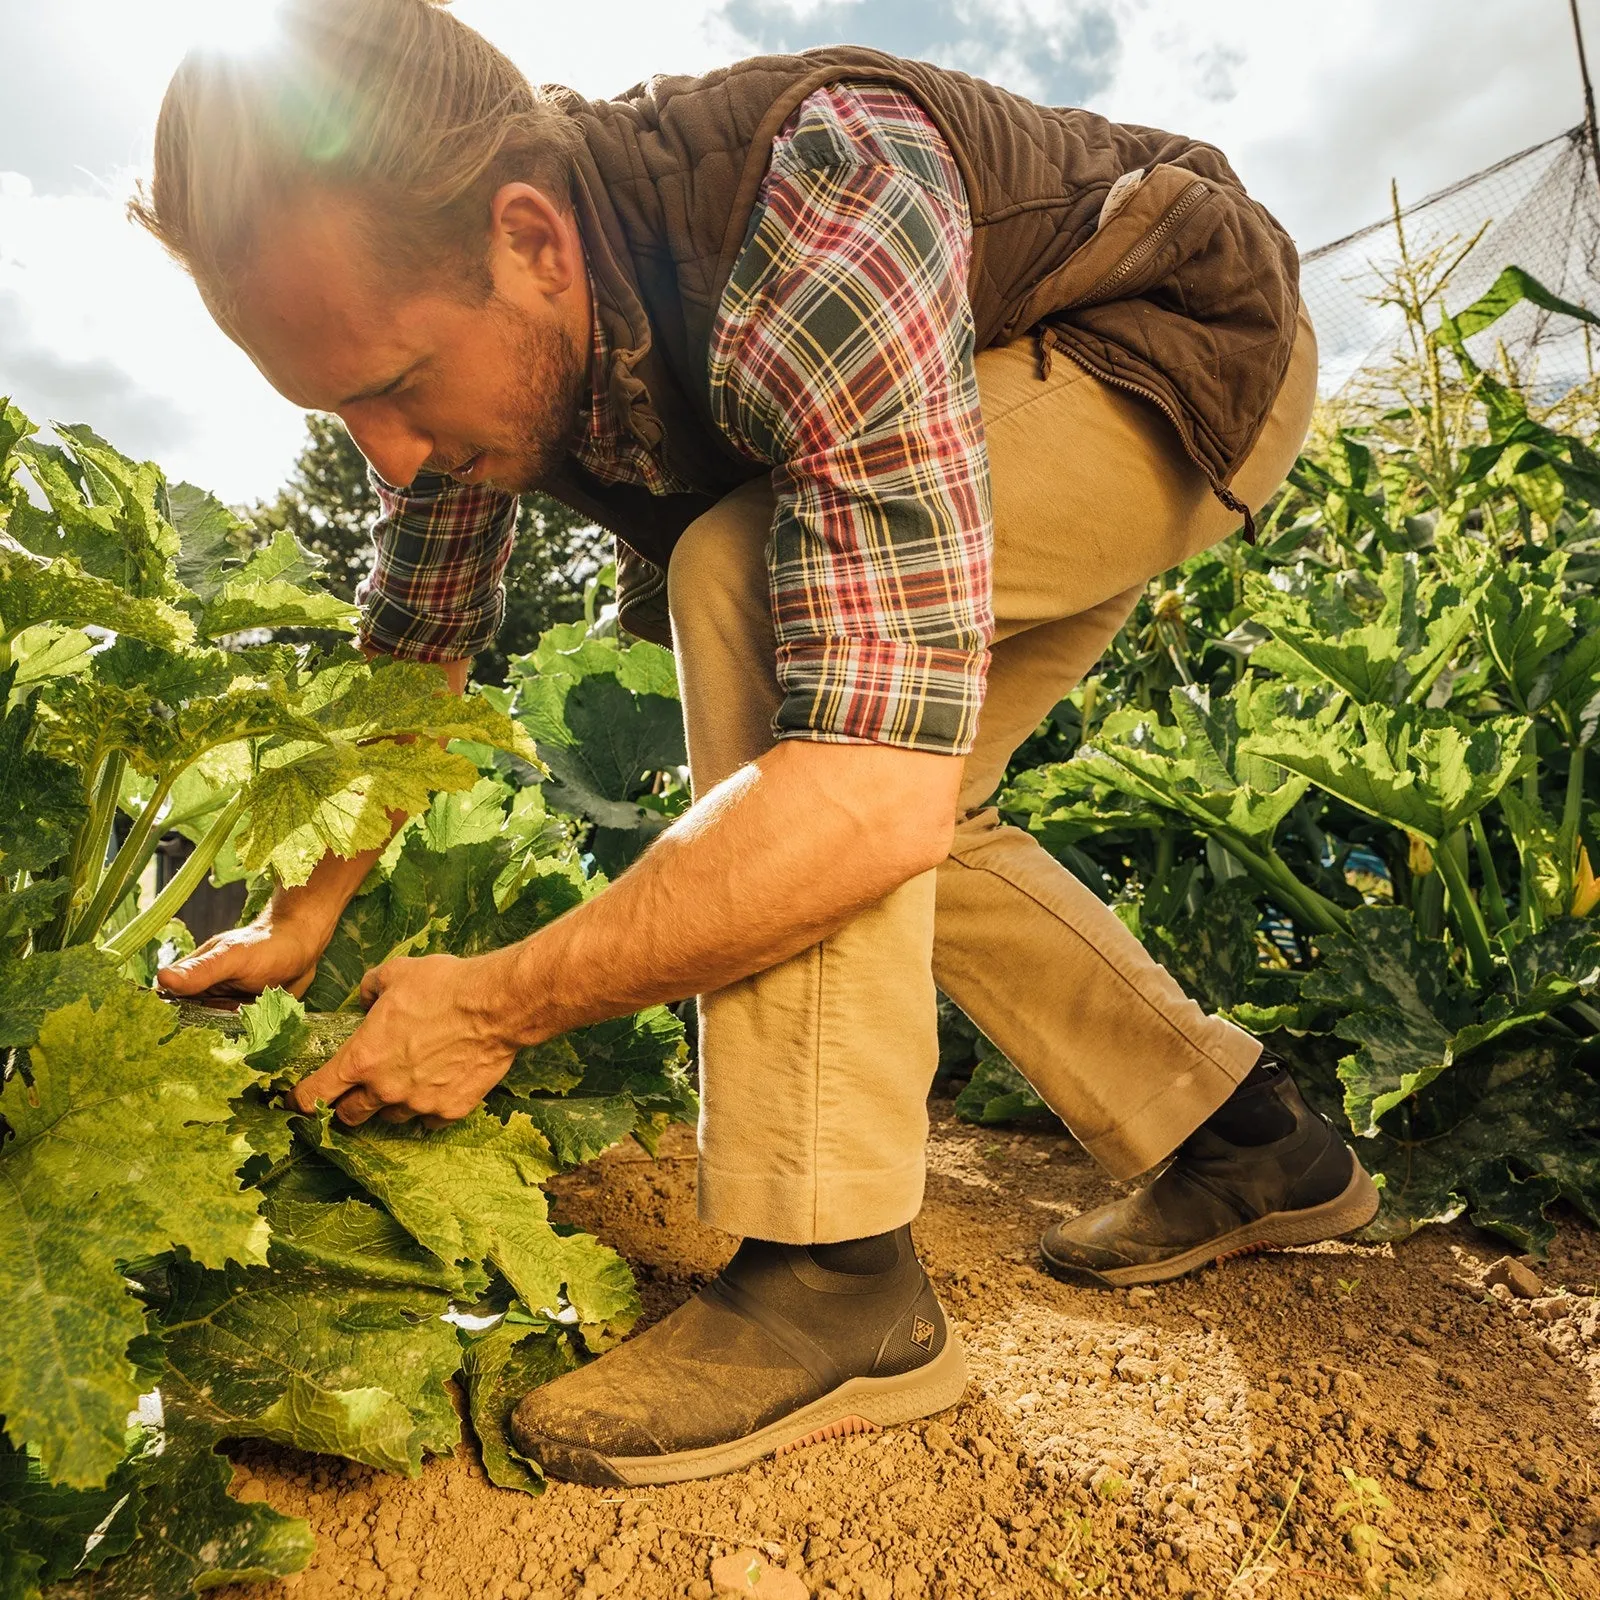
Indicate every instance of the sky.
{"type": "Point", "coordinates": [1317, 104]}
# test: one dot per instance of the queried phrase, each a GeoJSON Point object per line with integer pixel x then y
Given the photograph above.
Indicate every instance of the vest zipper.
{"type": "Point", "coordinates": [1174, 214]}
{"type": "Point", "coordinates": [1049, 340]}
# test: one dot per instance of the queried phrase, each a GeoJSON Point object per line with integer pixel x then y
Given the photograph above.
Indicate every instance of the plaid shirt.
{"type": "Point", "coordinates": [841, 356]}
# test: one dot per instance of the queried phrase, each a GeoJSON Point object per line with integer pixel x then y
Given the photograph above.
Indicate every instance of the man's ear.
{"type": "Point", "coordinates": [533, 242]}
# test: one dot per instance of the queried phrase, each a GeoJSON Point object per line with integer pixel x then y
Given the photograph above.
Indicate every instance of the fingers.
{"type": "Point", "coordinates": [397, 1114]}
{"type": "Point", "coordinates": [204, 969]}
{"type": "Point", "coordinates": [360, 1103]}
{"type": "Point", "coordinates": [372, 985]}
{"type": "Point", "coordinates": [340, 1072]}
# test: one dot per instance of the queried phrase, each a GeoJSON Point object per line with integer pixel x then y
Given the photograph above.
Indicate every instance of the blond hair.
{"type": "Point", "coordinates": [414, 116]}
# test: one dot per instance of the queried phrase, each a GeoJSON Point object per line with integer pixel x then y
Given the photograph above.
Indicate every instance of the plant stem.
{"type": "Point", "coordinates": [1271, 871]}
{"type": "Point", "coordinates": [1567, 838]}
{"type": "Point", "coordinates": [1469, 919]}
{"type": "Point", "coordinates": [1498, 914]}
{"type": "Point", "coordinates": [96, 826]}
{"type": "Point", "coordinates": [129, 862]}
{"type": "Point", "coordinates": [166, 905]}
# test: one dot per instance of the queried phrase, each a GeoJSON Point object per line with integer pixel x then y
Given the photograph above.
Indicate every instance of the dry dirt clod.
{"type": "Point", "coordinates": [1521, 1280]}
{"type": "Point", "coordinates": [749, 1572]}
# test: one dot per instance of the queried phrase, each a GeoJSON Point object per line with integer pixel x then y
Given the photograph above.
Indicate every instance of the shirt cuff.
{"type": "Point", "coordinates": [877, 691]}
{"type": "Point", "coordinates": [408, 635]}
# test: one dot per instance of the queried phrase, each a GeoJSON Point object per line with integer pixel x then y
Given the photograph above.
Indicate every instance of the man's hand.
{"type": "Point", "coordinates": [435, 1042]}
{"type": "Point", "coordinates": [274, 949]}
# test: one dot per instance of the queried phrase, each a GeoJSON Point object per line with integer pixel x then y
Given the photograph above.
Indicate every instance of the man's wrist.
{"type": "Point", "coordinates": [519, 996]}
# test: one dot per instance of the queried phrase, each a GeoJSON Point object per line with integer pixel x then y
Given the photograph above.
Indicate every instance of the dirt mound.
{"type": "Point", "coordinates": [1334, 1422]}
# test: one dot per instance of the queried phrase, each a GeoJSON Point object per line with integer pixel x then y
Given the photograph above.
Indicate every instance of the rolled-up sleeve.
{"type": "Point", "coordinates": [436, 591]}
{"type": "Point", "coordinates": [844, 357]}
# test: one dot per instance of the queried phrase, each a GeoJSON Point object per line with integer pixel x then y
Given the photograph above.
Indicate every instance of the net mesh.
{"type": "Point", "coordinates": [1538, 209]}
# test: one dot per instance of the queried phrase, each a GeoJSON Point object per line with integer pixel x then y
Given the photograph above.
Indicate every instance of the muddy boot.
{"type": "Point", "coordinates": [789, 1346]}
{"type": "Point", "coordinates": [1263, 1172]}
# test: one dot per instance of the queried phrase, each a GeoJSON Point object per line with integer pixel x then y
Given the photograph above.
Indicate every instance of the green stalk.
{"type": "Point", "coordinates": [1272, 872]}
{"type": "Point", "coordinates": [1498, 914]}
{"type": "Point", "coordinates": [1166, 854]}
{"type": "Point", "coordinates": [1530, 792]}
{"type": "Point", "coordinates": [1452, 868]}
{"type": "Point", "coordinates": [166, 905]}
{"type": "Point", "coordinates": [1567, 837]}
{"type": "Point", "coordinates": [1583, 1009]}
{"type": "Point", "coordinates": [54, 935]}
{"type": "Point", "coordinates": [129, 863]}
{"type": "Point", "coordinates": [92, 864]}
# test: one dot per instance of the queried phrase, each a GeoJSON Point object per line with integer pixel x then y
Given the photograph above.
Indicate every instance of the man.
{"type": "Point", "coordinates": [896, 389]}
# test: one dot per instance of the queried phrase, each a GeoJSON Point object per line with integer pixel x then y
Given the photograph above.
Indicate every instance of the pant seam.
{"type": "Point", "coordinates": [814, 1169]}
{"type": "Point", "coordinates": [1099, 955]}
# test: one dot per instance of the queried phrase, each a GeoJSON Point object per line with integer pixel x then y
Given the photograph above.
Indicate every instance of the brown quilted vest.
{"type": "Point", "coordinates": [1186, 296]}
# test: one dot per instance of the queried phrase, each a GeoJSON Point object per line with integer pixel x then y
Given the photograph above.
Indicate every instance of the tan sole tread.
{"type": "Point", "coordinates": [858, 1406]}
{"type": "Point", "coordinates": [1354, 1208]}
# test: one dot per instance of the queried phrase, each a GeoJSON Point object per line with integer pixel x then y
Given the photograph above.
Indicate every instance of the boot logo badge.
{"type": "Point", "coordinates": [922, 1333]}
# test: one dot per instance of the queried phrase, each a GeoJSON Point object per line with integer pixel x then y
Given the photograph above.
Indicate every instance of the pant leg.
{"type": "Point", "coordinates": [1103, 1032]}
{"type": "Point", "coordinates": [814, 1074]}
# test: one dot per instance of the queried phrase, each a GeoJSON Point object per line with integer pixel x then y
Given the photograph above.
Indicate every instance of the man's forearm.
{"type": "Point", "coordinates": [769, 862]}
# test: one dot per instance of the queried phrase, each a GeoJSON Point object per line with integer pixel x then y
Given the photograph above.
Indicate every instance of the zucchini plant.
{"type": "Point", "coordinates": [1343, 782]}
{"type": "Point", "coordinates": [182, 1261]}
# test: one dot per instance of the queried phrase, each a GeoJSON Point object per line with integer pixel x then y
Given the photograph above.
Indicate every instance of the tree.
{"type": "Point", "coordinates": [329, 505]}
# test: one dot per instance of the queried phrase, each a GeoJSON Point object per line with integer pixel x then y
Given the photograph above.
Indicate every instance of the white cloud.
{"type": "Point", "coordinates": [1316, 104]}
{"type": "Point", "coordinates": [1319, 105]}
{"type": "Point", "coordinates": [97, 322]}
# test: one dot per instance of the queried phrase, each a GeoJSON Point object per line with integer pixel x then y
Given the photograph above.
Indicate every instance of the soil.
{"type": "Point", "coordinates": [1412, 1420]}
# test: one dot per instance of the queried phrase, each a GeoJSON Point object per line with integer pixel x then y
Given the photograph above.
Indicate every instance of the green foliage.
{"type": "Point", "coordinates": [606, 719]}
{"type": "Point", "coordinates": [171, 1231]}
{"type": "Point", "coordinates": [1340, 784]}
{"type": "Point", "coordinates": [109, 1089]}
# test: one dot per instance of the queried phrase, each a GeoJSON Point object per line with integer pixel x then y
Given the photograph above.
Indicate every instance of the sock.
{"type": "Point", "coordinates": [875, 1283]}
{"type": "Point", "coordinates": [1253, 1114]}
{"type": "Point", "coordinates": [879, 1252]}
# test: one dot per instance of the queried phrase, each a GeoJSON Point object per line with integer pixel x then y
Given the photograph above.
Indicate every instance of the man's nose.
{"type": "Point", "coordinates": [396, 452]}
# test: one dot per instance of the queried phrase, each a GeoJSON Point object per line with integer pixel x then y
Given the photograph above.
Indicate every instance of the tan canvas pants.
{"type": "Point", "coordinates": [815, 1073]}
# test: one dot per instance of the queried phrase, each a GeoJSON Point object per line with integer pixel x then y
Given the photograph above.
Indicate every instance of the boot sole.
{"type": "Point", "coordinates": [1278, 1230]}
{"type": "Point", "coordinates": [861, 1405]}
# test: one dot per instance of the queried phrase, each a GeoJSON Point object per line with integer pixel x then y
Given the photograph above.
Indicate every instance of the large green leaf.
{"type": "Point", "coordinates": [1522, 1134]}
{"type": "Point", "coordinates": [108, 511]}
{"type": "Point", "coordinates": [1526, 623]}
{"type": "Point", "coordinates": [338, 797]}
{"type": "Point", "coordinates": [500, 1365]}
{"type": "Point", "coordinates": [1384, 659]}
{"type": "Point", "coordinates": [54, 1525]}
{"type": "Point", "coordinates": [323, 1360]}
{"type": "Point", "coordinates": [1203, 764]}
{"type": "Point", "coordinates": [41, 799]}
{"type": "Point", "coordinates": [606, 720]}
{"type": "Point", "coordinates": [265, 593]}
{"type": "Point", "coordinates": [998, 1093]}
{"type": "Point", "coordinates": [1429, 772]}
{"type": "Point", "coordinates": [1399, 1001]}
{"type": "Point", "coordinates": [115, 1154]}
{"type": "Point", "coordinates": [469, 1192]}
{"type": "Point", "coordinates": [34, 589]}
{"type": "Point", "coordinates": [32, 988]}
{"type": "Point", "coordinates": [193, 1535]}
{"type": "Point", "coordinates": [324, 1223]}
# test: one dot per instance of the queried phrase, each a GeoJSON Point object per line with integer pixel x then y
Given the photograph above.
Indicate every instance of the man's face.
{"type": "Point", "coordinates": [424, 379]}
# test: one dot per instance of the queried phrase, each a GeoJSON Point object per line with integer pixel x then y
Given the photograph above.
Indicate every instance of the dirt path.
{"type": "Point", "coordinates": [1338, 1422]}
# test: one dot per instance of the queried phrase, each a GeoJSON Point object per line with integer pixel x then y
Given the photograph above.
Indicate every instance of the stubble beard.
{"type": "Point", "coordinates": [551, 378]}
